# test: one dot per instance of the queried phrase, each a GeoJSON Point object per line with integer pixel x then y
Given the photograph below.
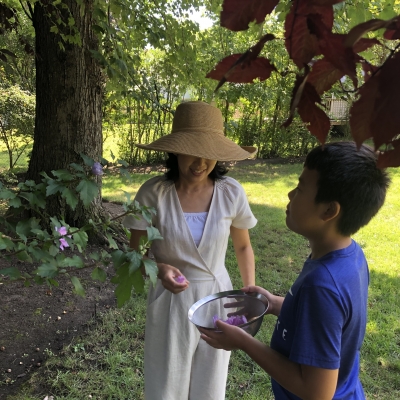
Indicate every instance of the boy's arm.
{"type": "Point", "coordinates": [309, 383]}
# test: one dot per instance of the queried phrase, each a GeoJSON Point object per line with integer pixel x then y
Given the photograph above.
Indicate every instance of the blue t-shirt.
{"type": "Point", "coordinates": [323, 319]}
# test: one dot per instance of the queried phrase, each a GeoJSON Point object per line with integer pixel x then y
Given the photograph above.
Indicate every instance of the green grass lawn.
{"type": "Point", "coordinates": [108, 362]}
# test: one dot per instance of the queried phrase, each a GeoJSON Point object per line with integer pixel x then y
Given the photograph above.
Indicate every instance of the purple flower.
{"type": "Point", "coordinates": [97, 169]}
{"type": "Point", "coordinates": [235, 320]}
{"type": "Point", "coordinates": [62, 231]}
{"type": "Point", "coordinates": [63, 243]}
{"type": "Point", "coordinates": [180, 279]}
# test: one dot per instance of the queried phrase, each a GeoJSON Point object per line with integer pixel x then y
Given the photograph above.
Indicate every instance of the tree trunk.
{"type": "Point", "coordinates": [69, 94]}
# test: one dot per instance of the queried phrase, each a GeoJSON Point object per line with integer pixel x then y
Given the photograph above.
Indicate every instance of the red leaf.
{"type": "Point", "coordinates": [393, 29]}
{"type": "Point", "coordinates": [323, 75]}
{"type": "Point", "coordinates": [237, 14]}
{"type": "Point", "coordinates": [385, 124]}
{"type": "Point", "coordinates": [364, 44]}
{"type": "Point", "coordinates": [244, 72]}
{"type": "Point", "coordinates": [300, 44]}
{"type": "Point", "coordinates": [361, 111]}
{"type": "Point", "coordinates": [297, 93]}
{"type": "Point", "coordinates": [317, 121]}
{"type": "Point", "coordinates": [390, 158]}
{"type": "Point", "coordinates": [343, 58]}
{"type": "Point", "coordinates": [357, 32]}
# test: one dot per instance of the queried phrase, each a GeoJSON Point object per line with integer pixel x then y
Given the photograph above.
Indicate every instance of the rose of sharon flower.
{"type": "Point", "coordinates": [97, 169]}
{"type": "Point", "coordinates": [180, 279]}
{"type": "Point", "coordinates": [235, 320]}
{"type": "Point", "coordinates": [63, 244]}
{"type": "Point", "coordinates": [62, 231]}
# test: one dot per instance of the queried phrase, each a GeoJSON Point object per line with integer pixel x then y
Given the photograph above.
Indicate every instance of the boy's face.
{"type": "Point", "coordinates": [303, 215]}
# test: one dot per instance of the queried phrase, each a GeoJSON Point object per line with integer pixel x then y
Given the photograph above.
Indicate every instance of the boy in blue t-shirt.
{"type": "Point", "coordinates": [315, 348]}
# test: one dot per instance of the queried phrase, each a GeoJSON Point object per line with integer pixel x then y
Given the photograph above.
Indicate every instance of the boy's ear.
{"type": "Point", "coordinates": [332, 210]}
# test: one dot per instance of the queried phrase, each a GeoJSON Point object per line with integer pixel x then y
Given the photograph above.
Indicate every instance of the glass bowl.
{"type": "Point", "coordinates": [223, 305]}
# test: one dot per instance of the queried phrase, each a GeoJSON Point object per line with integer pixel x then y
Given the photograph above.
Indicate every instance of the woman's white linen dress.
{"type": "Point", "coordinates": [179, 365]}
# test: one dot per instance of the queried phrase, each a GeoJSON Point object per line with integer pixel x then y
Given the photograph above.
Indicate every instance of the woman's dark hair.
{"type": "Point", "coordinates": [351, 177]}
{"type": "Point", "coordinates": [172, 173]}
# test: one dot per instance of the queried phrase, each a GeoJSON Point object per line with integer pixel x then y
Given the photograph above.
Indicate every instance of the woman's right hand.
{"type": "Point", "coordinates": [167, 274]}
{"type": "Point", "coordinates": [274, 302]}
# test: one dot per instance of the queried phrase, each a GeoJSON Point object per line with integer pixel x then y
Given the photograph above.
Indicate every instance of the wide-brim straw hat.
{"type": "Point", "coordinates": [198, 130]}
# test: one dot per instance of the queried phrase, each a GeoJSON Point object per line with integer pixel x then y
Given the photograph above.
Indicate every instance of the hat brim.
{"type": "Point", "coordinates": [201, 144]}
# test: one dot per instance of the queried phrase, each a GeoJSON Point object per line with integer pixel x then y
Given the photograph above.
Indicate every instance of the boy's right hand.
{"type": "Point", "coordinates": [229, 338]}
{"type": "Point", "coordinates": [168, 274]}
{"type": "Point", "coordinates": [274, 302]}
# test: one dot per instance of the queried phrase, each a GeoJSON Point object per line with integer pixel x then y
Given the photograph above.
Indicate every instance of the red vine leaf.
{"type": "Point", "coordinates": [385, 124]}
{"type": "Point", "coordinates": [390, 158]}
{"type": "Point", "coordinates": [296, 95]}
{"type": "Point", "coordinates": [317, 121]}
{"type": "Point", "coordinates": [361, 111]}
{"type": "Point", "coordinates": [237, 14]}
{"type": "Point", "coordinates": [364, 44]}
{"type": "Point", "coordinates": [300, 44]}
{"type": "Point", "coordinates": [244, 68]}
{"type": "Point", "coordinates": [323, 75]}
{"type": "Point", "coordinates": [238, 69]}
{"type": "Point", "coordinates": [357, 32]}
{"type": "Point", "coordinates": [393, 29]}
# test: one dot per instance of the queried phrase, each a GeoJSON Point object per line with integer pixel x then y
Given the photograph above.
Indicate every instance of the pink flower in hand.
{"type": "Point", "coordinates": [180, 279]}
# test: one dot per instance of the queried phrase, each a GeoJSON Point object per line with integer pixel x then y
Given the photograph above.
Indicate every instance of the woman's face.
{"type": "Point", "coordinates": [194, 169]}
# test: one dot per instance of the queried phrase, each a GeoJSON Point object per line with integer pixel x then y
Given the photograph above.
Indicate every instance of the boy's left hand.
{"type": "Point", "coordinates": [230, 338]}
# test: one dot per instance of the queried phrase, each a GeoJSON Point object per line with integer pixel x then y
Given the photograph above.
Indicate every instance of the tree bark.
{"type": "Point", "coordinates": [69, 95]}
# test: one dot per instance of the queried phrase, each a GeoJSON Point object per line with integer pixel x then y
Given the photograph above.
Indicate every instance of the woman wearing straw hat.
{"type": "Point", "coordinates": [197, 210]}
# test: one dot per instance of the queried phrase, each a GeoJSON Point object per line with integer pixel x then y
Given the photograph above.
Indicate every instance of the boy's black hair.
{"type": "Point", "coordinates": [172, 173]}
{"type": "Point", "coordinates": [350, 177]}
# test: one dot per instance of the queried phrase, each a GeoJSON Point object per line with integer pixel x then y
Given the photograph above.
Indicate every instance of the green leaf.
{"type": "Point", "coordinates": [118, 257]}
{"type": "Point", "coordinates": [80, 240]}
{"type": "Point", "coordinates": [77, 167]}
{"type": "Point", "coordinates": [124, 289]}
{"type": "Point", "coordinates": [111, 241]}
{"type": "Point", "coordinates": [53, 250]}
{"type": "Point", "coordinates": [87, 190]}
{"type": "Point", "coordinates": [7, 194]}
{"type": "Point", "coordinates": [99, 275]}
{"type": "Point", "coordinates": [138, 281]}
{"type": "Point", "coordinates": [12, 272]}
{"type": "Point", "coordinates": [151, 269]}
{"type": "Point", "coordinates": [87, 160]}
{"type": "Point", "coordinates": [53, 187]}
{"type": "Point", "coordinates": [78, 288]}
{"type": "Point", "coordinates": [70, 197]}
{"type": "Point", "coordinates": [153, 234]}
{"type": "Point", "coordinates": [16, 203]}
{"type": "Point", "coordinates": [135, 261]}
{"type": "Point", "coordinates": [63, 174]}
{"type": "Point", "coordinates": [6, 243]}
{"type": "Point", "coordinates": [74, 261]}
{"type": "Point", "coordinates": [47, 271]}
{"type": "Point", "coordinates": [24, 256]}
